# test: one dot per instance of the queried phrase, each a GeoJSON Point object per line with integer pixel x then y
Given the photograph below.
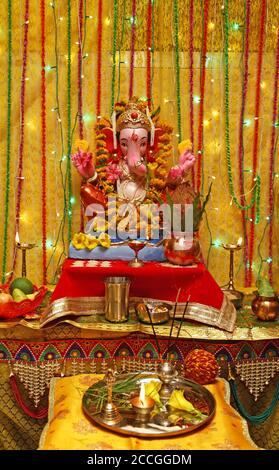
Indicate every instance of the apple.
{"type": "Point", "coordinates": [5, 298]}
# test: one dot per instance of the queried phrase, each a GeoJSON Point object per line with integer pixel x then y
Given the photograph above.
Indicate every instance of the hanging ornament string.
{"type": "Point", "coordinates": [148, 51]}
{"type": "Point", "coordinates": [272, 156]}
{"type": "Point", "coordinates": [43, 137]}
{"type": "Point", "coordinates": [80, 35]}
{"type": "Point", "coordinates": [191, 79]}
{"type": "Point", "coordinates": [79, 85]}
{"type": "Point", "coordinates": [22, 125]}
{"type": "Point", "coordinates": [133, 39]}
{"type": "Point", "coordinates": [120, 48]}
{"type": "Point", "coordinates": [202, 90]}
{"type": "Point", "coordinates": [8, 151]}
{"type": "Point", "coordinates": [256, 187]}
{"type": "Point", "coordinates": [247, 8]}
{"type": "Point", "coordinates": [99, 58]}
{"type": "Point", "coordinates": [177, 68]}
{"type": "Point", "coordinates": [57, 247]}
{"type": "Point", "coordinates": [114, 41]}
{"type": "Point", "coordinates": [69, 123]}
{"type": "Point", "coordinates": [256, 132]}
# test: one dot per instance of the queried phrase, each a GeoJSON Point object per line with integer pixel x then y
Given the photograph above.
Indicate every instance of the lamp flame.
{"type": "Point", "coordinates": [17, 238]}
{"type": "Point", "coordinates": [239, 242]}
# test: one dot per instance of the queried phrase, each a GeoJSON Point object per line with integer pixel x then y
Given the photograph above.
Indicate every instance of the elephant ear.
{"type": "Point", "coordinates": [109, 139]}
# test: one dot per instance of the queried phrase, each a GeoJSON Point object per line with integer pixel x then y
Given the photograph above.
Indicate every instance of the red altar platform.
{"type": "Point", "coordinates": [161, 281]}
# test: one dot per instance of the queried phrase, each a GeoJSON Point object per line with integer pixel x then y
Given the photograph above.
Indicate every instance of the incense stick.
{"type": "Point", "coordinates": [173, 318]}
{"type": "Point", "coordinates": [183, 315]}
{"type": "Point", "coordinates": [153, 329]}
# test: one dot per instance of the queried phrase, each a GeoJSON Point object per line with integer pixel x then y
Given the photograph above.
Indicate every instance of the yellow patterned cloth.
{"type": "Point", "coordinates": [69, 429]}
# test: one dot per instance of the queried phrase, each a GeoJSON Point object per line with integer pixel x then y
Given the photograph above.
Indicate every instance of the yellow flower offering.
{"type": "Point", "coordinates": [90, 242]}
{"type": "Point", "coordinates": [82, 145]}
{"type": "Point", "coordinates": [104, 240]}
{"type": "Point", "coordinates": [152, 390]}
{"type": "Point", "coordinates": [78, 241]}
{"type": "Point", "coordinates": [178, 401]}
{"type": "Point", "coordinates": [184, 145]}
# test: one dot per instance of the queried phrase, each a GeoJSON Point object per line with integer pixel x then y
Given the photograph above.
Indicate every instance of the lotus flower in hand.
{"type": "Point", "coordinates": [113, 172]}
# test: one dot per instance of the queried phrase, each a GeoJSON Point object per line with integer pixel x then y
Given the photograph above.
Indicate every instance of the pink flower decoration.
{"type": "Point", "coordinates": [113, 172]}
{"type": "Point", "coordinates": [83, 163]}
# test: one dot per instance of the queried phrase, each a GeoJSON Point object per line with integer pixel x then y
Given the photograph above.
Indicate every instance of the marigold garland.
{"type": "Point", "coordinates": [114, 44]}
{"type": "Point", "coordinates": [177, 68]}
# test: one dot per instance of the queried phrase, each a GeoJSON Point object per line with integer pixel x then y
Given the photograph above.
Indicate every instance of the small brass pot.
{"type": "Point", "coordinates": [266, 308]}
{"type": "Point", "coordinates": [181, 252]}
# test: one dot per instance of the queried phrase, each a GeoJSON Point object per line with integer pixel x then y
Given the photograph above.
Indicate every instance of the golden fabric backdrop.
{"type": "Point", "coordinates": [224, 219]}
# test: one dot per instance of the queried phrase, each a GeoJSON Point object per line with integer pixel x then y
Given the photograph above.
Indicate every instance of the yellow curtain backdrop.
{"type": "Point", "coordinates": [224, 218]}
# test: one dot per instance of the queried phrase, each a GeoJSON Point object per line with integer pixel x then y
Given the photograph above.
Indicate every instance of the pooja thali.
{"type": "Point", "coordinates": [165, 420]}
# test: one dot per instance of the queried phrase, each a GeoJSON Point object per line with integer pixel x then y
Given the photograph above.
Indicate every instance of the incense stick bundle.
{"type": "Point", "coordinates": [182, 319]}
{"type": "Point", "coordinates": [173, 318]}
{"type": "Point", "coordinates": [153, 329]}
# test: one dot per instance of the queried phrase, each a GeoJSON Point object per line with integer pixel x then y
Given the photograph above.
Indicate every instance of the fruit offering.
{"type": "Point", "coordinates": [23, 284]}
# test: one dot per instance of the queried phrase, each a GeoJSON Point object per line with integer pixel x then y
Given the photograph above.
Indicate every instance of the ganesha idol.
{"type": "Point", "coordinates": [131, 167]}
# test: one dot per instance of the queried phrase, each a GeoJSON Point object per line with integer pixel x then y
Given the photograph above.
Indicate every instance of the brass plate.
{"type": "Point", "coordinates": [190, 387]}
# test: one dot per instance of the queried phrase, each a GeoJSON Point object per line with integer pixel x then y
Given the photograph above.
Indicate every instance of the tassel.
{"type": "Point", "coordinates": [113, 120]}
{"type": "Point", "coordinates": [38, 414]}
{"type": "Point", "coordinates": [152, 127]}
